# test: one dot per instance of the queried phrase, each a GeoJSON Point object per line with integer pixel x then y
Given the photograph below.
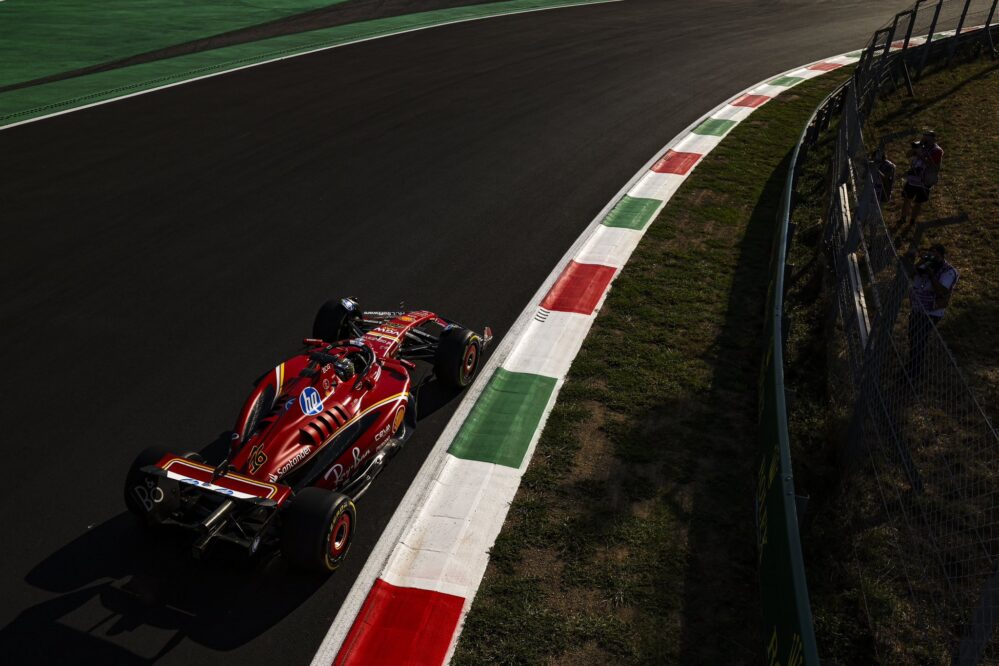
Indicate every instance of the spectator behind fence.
{"type": "Point", "coordinates": [924, 171]}
{"type": "Point", "coordinates": [933, 280]}
{"type": "Point", "coordinates": [884, 175]}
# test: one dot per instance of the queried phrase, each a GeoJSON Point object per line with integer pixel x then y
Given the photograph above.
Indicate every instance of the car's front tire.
{"type": "Point", "coordinates": [457, 358]}
{"type": "Point", "coordinates": [333, 321]}
{"type": "Point", "coordinates": [317, 529]}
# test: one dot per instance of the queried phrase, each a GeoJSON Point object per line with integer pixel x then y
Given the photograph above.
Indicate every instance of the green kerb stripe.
{"type": "Point", "coordinates": [787, 81]}
{"type": "Point", "coordinates": [502, 422]}
{"type": "Point", "coordinates": [714, 127]}
{"type": "Point", "coordinates": [632, 213]}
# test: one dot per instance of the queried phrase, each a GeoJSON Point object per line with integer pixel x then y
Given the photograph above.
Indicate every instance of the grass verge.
{"type": "Point", "coordinates": [631, 539]}
{"type": "Point", "coordinates": [44, 38]}
{"type": "Point", "coordinates": [23, 104]}
{"type": "Point", "coordinates": [863, 606]}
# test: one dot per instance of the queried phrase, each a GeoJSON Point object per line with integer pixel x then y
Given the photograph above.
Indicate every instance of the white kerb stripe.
{"type": "Point", "coordinates": [657, 186]}
{"type": "Point", "coordinates": [736, 113]}
{"type": "Point", "coordinates": [805, 73]}
{"type": "Point", "coordinates": [547, 348]}
{"type": "Point", "coordinates": [446, 548]}
{"type": "Point", "coordinates": [610, 246]}
{"type": "Point", "coordinates": [702, 144]}
{"type": "Point", "coordinates": [768, 90]}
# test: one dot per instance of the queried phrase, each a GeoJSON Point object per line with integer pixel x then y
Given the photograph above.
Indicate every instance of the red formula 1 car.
{"type": "Point", "coordinates": [310, 439]}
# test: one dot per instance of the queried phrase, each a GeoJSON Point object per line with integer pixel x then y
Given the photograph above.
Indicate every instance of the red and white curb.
{"type": "Point", "coordinates": [418, 584]}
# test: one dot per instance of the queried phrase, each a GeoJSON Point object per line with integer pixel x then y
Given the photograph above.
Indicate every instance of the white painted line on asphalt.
{"type": "Point", "coordinates": [446, 547]}
{"type": "Point", "coordinates": [419, 490]}
{"type": "Point", "coordinates": [436, 530]}
{"type": "Point", "coordinates": [562, 332]}
{"type": "Point", "coordinates": [736, 113]}
{"type": "Point", "coordinates": [611, 246]}
{"type": "Point", "coordinates": [768, 90]}
{"type": "Point", "coordinates": [701, 144]}
{"type": "Point", "coordinates": [656, 186]}
{"type": "Point", "coordinates": [304, 53]}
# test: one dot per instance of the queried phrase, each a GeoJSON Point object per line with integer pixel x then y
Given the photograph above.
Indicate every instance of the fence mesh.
{"type": "Point", "coordinates": [925, 440]}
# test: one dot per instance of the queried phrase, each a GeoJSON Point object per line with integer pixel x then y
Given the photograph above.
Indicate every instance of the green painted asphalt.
{"type": "Point", "coordinates": [632, 213]}
{"type": "Point", "coordinates": [714, 127]}
{"type": "Point", "coordinates": [24, 104]}
{"type": "Point", "coordinates": [44, 37]}
{"type": "Point", "coordinates": [503, 421]}
{"type": "Point", "coordinates": [786, 81]}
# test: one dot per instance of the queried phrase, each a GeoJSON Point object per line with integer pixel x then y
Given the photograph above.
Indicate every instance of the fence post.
{"type": "Point", "coordinates": [891, 36]}
{"type": "Point", "coordinates": [929, 39]}
{"type": "Point", "coordinates": [912, 24]}
{"type": "Point", "coordinates": [957, 33]}
{"type": "Point", "coordinates": [988, 27]}
{"type": "Point", "coordinates": [908, 79]}
{"type": "Point", "coordinates": [913, 414]}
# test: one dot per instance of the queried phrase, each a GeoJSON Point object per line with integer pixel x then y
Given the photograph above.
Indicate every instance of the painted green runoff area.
{"type": "Point", "coordinates": [24, 104]}
{"type": "Point", "coordinates": [631, 213]}
{"type": "Point", "coordinates": [632, 537]}
{"type": "Point", "coordinates": [502, 423]}
{"type": "Point", "coordinates": [44, 37]}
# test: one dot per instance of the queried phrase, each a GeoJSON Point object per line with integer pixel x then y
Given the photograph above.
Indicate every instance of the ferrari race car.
{"type": "Point", "coordinates": [312, 436]}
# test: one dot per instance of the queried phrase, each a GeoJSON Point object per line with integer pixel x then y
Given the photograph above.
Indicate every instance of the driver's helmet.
{"type": "Point", "coordinates": [344, 368]}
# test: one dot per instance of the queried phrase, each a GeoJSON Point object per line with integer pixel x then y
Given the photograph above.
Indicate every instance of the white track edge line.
{"type": "Point", "coordinates": [303, 53]}
{"type": "Point", "coordinates": [435, 459]}
{"type": "Point", "coordinates": [586, 234]}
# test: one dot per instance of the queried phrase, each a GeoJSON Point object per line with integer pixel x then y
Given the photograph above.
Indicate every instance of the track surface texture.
{"type": "Point", "coordinates": [158, 253]}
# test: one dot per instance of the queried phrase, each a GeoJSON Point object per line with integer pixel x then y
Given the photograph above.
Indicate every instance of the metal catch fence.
{"type": "Point", "coordinates": [917, 427]}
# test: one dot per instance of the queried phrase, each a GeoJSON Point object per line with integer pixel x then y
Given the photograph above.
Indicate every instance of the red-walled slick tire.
{"type": "Point", "coordinates": [317, 528]}
{"type": "Point", "coordinates": [457, 357]}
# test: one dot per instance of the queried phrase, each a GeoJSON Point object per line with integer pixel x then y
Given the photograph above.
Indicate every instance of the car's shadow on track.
{"type": "Point", "coordinates": [149, 595]}
{"type": "Point", "coordinates": [431, 395]}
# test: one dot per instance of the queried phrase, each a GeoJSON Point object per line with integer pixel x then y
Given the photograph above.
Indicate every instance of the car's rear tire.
{"type": "Point", "coordinates": [140, 495]}
{"type": "Point", "coordinates": [457, 358]}
{"type": "Point", "coordinates": [316, 529]}
{"type": "Point", "coordinates": [333, 320]}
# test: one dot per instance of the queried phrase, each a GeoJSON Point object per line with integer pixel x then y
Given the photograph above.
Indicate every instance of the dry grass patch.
{"type": "Point", "coordinates": [643, 481]}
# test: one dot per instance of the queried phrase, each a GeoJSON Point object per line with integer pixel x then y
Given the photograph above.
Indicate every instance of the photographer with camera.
{"type": "Point", "coordinates": [924, 171]}
{"type": "Point", "coordinates": [884, 174]}
{"type": "Point", "coordinates": [933, 280]}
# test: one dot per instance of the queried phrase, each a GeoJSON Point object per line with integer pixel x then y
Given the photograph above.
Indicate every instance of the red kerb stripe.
{"type": "Point", "coordinates": [579, 288]}
{"type": "Point", "coordinates": [676, 162]}
{"type": "Point", "coordinates": [751, 101]}
{"type": "Point", "coordinates": [401, 625]}
{"type": "Point", "coordinates": [825, 66]}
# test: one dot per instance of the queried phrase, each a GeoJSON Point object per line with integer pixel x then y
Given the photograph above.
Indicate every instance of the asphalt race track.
{"type": "Point", "coordinates": [158, 253]}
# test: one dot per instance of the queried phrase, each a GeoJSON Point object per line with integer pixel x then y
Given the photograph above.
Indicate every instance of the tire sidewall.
{"type": "Point", "coordinates": [331, 321]}
{"type": "Point", "coordinates": [309, 527]}
{"type": "Point", "coordinates": [452, 354]}
{"type": "Point", "coordinates": [344, 507]}
{"type": "Point", "coordinates": [474, 345]}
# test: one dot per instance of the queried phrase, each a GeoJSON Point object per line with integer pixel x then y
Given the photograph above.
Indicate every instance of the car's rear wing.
{"type": "Point", "coordinates": [229, 484]}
